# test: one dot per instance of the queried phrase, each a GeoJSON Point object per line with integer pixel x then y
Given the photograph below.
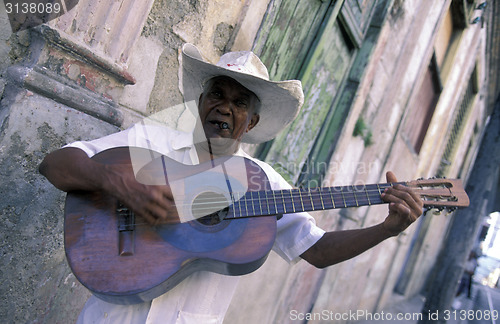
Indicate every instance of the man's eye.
{"type": "Point", "coordinates": [242, 103]}
{"type": "Point", "coordinates": [216, 94]}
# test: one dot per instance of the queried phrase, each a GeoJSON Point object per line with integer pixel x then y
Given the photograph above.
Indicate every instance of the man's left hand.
{"type": "Point", "coordinates": [405, 206]}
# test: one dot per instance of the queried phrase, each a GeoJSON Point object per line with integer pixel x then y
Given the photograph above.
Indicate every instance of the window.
{"type": "Point", "coordinates": [427, 96]}
{"type": "Point", "coordinates": [461, 116]}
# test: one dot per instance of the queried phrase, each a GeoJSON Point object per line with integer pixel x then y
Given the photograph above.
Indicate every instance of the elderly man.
{"type": "Point", "coordinates": [236, 103]}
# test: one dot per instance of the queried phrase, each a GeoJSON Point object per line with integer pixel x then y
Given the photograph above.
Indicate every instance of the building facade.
{"type": "Point", "coordinates": [389, 85]}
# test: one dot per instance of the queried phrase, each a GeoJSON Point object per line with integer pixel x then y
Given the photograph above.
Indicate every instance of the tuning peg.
{"type": "Point", "coordinates": [450, 210]}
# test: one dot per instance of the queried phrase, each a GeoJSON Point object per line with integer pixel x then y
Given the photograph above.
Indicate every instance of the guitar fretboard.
{"type": "Point", "coordinates": [273, 202]}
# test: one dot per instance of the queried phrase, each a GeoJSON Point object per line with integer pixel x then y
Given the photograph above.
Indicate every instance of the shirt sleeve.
{"type": "Point", "coordinates": [296, 232]}
{"type": "Point", "coordinates": [98, 145]}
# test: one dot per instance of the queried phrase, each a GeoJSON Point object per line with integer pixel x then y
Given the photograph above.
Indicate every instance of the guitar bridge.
{"type": "Point", "coordinates": [126, 227]}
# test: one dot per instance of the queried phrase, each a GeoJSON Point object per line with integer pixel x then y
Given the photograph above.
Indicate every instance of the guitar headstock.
{"type": "Point", "coordinates": [441, 193]}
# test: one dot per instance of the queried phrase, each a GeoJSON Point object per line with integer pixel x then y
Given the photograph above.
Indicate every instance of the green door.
{"type": "Point", "coordinates": [314, 41]}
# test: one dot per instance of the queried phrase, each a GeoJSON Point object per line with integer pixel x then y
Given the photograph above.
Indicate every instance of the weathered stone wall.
{"type": "Point", "coordinates": [52, 95]}
{"type": "Point", "coordinates": [36, 282]}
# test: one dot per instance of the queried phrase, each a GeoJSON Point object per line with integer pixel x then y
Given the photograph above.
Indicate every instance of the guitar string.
{"type": "Point", "coordinates": [294, 193]}
{"type": "Point", "coordinates": [346, 198]}
{"type": "Point", "coordinates": [349, 196]}
{"type": "Point", "coordinates": [209, 204]}
{"type": "Point", "coordinates": [299, 194]}
{"type": "Point", "coordinates": [343, 197]}
{"type": "Point", "coordinates": [313, 193]}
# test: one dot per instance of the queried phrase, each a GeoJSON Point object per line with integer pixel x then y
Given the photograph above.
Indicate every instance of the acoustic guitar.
{"type": "Point", "coordinates": [229, 226]}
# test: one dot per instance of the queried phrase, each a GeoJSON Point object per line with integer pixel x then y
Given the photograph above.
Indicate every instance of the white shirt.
{"type": "Point", "coordinates": [203, 297]}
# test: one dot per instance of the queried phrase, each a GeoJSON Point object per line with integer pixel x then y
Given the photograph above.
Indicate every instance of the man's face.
{"type": "Point", "coordinates": [227, 110]}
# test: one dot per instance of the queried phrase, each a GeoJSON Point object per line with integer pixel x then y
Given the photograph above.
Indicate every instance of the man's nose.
{"type": "Point", "coordinates": [225, 107]}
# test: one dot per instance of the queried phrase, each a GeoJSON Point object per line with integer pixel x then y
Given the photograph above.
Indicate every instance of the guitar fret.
{"type": "Point", "coordinates": [301, 200]}
{"type": "Point", "coordinates": [234, 207]}
{"type": "Point", "coordinates": [343, 197]}
{"type": "Point", "coordinates": [367, 196]}
{"type": "Point", "coordinates": [248, 203]}
{"type": "Point", "coordinates": [260, 203]}
{"type": "Point", "coordinates": [267, 202]}
{"type": "Point", "coordinates": [310, 198]}
{"type": "Point", "coordinates": [331, 196]}
{"type": "Point", "coordinates": [253, 204]}
{"type": "Point", "coordinates": [275, 204]}
{"type": "Point", "coordinates": [283, 200]}
{"type": "Point", "coordinates": [355, 196]}
{"type": "Point", "coordinates": [239, 205]}
{"type": "Point", "coordinates": [246, 206]}
{"type": "Point", "coordinates": [272, 202]}
{"type": "Point", "coordinates": [321, 198]}
{"type": "Point", "coordinates": [380, 189]}
{"type": "Point", "coordinates": [291, 198]}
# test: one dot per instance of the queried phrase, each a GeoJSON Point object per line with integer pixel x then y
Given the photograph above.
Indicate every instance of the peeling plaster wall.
{"type": "Point", "coordinates": [36, 280]}
{"type": "Point", "coordinates": [208, 25]}
{"type": "Point", "coordinates": [36, 73]}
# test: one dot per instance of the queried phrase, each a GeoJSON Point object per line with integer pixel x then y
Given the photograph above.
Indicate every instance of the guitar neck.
{"type": "Point", "coordinates": [274, 202]}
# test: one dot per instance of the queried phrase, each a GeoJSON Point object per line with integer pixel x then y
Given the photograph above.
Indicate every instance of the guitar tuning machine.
{"type": "Point", "coordinates": [449, 211]}
{"type": "Point", "coordinates": [435, 210]}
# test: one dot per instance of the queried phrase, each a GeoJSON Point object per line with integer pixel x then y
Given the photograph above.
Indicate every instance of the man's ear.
{"type": "Point", "coordinates": [253, 122]}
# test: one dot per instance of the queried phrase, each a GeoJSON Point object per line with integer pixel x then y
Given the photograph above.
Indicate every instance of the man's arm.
{"type": "Point", "coordinates": [71, 169]}
{"type": "Point", "coordinates": [405, 206]}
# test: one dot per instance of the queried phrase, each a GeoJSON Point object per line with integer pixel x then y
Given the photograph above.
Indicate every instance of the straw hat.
{"type": "Point", "coordinates": [280, 100]}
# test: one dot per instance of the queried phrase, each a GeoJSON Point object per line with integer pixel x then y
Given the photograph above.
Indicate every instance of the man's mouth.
{"type": "Point", "coordinates": [220, 124]}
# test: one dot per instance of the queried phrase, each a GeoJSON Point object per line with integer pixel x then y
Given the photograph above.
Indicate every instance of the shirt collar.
{"type": "Point", "coordinates": [182, 140]}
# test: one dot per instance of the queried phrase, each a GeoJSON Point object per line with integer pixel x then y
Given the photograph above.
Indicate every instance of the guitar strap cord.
{"type": "Point", "coordinates": [228, 183]}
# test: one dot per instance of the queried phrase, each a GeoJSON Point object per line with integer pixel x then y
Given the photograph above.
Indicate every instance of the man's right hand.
{"type": "Point", "coordinates": [154, 203]}
{"type": "Point", "coordinates": [71, 169]}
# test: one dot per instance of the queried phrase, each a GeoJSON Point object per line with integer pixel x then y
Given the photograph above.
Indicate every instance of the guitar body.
{"type": "Point", "coordinates": [142, 262]}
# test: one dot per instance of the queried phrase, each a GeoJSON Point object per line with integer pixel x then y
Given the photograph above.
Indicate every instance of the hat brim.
{"type": "Point", "coordinates": [280, 100]}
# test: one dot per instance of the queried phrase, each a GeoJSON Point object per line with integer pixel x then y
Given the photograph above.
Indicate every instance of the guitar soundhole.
{"type": "Point", "coordinates": [210, 208]}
